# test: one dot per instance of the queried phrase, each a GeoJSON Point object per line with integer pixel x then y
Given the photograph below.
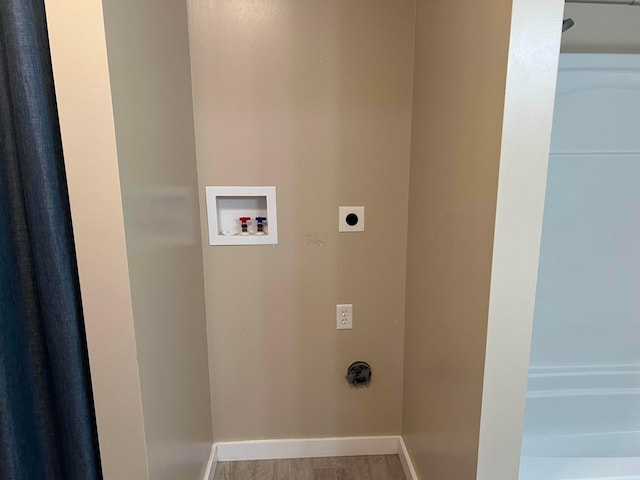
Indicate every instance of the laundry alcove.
{"type": "Point", "coordinates": [407, 108]}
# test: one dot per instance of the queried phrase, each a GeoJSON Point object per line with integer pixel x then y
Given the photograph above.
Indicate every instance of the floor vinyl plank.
{"type": "Point", "coordinates": [373, 467]}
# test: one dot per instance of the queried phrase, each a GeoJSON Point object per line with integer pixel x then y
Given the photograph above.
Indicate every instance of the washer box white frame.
{"type": "Point", "coordinates": [222, 201]}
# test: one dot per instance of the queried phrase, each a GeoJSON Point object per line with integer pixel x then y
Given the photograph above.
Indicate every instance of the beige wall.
{"type": "Point", "coordinates": [313, 97]}
{"type": "Point", "coordinates": [79, 57]}
{"type": "Point", "coordinates": [148, 51]}
{"type": "Point", "coordinates": [459, 84]}
{"type": "Point", "coordinates": [602, 29]}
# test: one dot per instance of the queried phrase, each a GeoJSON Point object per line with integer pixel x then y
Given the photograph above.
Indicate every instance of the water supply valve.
{"type": "Point", "coordinates": [244, 225]}
{"type": "Point", "coordinates": [260, 227]}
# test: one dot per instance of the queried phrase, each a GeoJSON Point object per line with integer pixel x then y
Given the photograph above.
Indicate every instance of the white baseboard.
{"type": "Point", "coordinates": [309, 448]}
{"type": "Point", "coordinates": [405, 459]}
{"type": "Point", "coordinates": [211, 464]}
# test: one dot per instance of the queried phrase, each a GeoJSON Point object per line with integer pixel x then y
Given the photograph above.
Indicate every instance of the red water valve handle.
{"type": "Point", "coordinates": [244, 219]}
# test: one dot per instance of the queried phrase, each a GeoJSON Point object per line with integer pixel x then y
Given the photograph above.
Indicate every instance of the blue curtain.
{"type": "Point", "coordinates": [47, 423]}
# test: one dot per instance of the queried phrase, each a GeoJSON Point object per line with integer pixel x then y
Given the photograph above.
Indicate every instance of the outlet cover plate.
{"type": "Point", "coordinates": [344, 317]}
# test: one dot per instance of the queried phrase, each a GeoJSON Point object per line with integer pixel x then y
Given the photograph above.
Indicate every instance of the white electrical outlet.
{"type": "Point", "coordinates": [344, 317]}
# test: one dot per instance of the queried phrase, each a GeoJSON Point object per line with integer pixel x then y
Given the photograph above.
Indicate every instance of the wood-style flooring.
{"type": "Point", "coordinates": [374, 467]}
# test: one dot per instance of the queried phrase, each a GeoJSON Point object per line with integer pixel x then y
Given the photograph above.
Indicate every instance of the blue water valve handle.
{"type": "Point", "coordinates": [260, 227]}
